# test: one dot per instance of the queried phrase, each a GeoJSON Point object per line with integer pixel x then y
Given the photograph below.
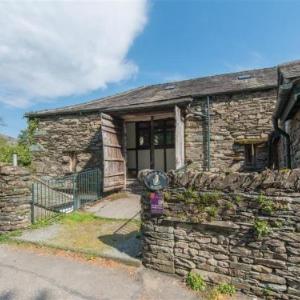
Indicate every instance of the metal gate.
{"type": "Point", "coordinates": [64, 194]}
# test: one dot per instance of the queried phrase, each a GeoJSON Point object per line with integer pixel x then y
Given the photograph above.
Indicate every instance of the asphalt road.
{"type": "Point", "coordinates": [27, 274]}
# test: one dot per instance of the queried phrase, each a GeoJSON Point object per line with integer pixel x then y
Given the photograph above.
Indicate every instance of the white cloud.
{"type": "Point", "coordinates": [58, 48]}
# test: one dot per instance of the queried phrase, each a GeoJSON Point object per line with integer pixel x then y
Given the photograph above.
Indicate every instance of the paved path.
{"type": "Point", "coordinates": [25, 274]}
{"type": "Point", "coordinates": [123, 208]}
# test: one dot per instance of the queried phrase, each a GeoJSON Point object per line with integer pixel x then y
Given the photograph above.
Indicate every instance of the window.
{"type": "Point", "coordinates": [250, 155]}
{"type": "Point", "coordinates": [143, 134]}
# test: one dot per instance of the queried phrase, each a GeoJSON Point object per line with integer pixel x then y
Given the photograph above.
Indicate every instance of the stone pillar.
{"type": "Point", "coordinates": [15, 197]}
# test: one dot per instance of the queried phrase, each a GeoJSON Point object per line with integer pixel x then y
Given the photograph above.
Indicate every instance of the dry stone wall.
{"type": "Point", "coordinates": [234, 120]}
{"type": "Point", "coordinates": [62, 138]}
{"type": "Point", "coordinates": [237, 228]}
{"type": "Point", "coordinates": [15, 197]}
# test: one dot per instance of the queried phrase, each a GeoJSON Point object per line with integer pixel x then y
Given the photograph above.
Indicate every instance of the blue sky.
{"type": "Point", "coordinates": [180, 40]}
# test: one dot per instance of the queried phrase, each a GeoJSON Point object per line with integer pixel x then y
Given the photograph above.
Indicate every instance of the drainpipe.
{"type": "Point", "coordinates": [206, 116]}
{"type": "Point", "coordinates": [283, 95]}
{"type": "Point", "coordinates": [208, 131]}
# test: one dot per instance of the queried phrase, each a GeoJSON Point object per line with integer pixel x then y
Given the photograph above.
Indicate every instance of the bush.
{"type": "Point", "coordinates": [7, 151]}
{"type": "Point", "coordinates": [22, 149]}
{"type": "Point", "coordinates": [195, 282]}
{"type": "Point", "coordinates": [261, 228]}
{"type": "Point", "coordinates": [226, 289]}
{"type": "Point", "coordinates": [266, 205]}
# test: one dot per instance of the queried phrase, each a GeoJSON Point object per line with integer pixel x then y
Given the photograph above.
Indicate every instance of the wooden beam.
{"type": "Point", "coordinates": [146, 116]}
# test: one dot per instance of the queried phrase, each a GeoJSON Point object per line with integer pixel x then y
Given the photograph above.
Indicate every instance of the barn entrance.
{"type": "Point", "coordinates": [150, 145]}
{"type": "Point", "coordinates": [140, 140]}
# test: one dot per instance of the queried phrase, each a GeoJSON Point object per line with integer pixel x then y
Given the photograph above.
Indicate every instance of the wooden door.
{"type": "Point", "coordinates": [113, 153]}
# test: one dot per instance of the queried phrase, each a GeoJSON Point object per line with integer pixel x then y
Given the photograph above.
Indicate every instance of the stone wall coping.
{"type": "Point", "coordinates": [268, 180]}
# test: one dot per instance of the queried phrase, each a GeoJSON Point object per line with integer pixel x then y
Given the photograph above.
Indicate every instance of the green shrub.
{"type": "Point", "coordinates": [210, 198]}
{"type": "Point", "coordinates": [265, 204]}
{"type": "Point", "coordinates": [237, 199]}
{"type": "Point", "coordinates": [7, 151]}
{"type": "Point", "coordinates": [226, 289]}
{"type": "Point", "coordinates": [195, 282]}
{"type": "Point", "coordinates": [188, 195]}
{"type": "Point", "coordinates": [261, 228]}
{"type": "Point", "coordinates": [212, 211]}
{"type": "Point", "coordinates": [228, 205]}
{"type": "Point", "coordinates": [22, 149]}
{"type": "Point", "coordinates": [167, 196]}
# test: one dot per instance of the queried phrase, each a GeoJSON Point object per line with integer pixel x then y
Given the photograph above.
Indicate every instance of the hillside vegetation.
{"type": "Point", "coordinates": [21, 146]}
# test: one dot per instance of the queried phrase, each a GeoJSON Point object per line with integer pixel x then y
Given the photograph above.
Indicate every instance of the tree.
{"type": "Point", "coordinates": [22, 149]}
{"type": "Point", "coordinates": [26, 136]}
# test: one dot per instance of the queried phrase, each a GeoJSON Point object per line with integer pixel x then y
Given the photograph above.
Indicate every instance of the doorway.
{"type": "Point", "coordinates": [150, 145]}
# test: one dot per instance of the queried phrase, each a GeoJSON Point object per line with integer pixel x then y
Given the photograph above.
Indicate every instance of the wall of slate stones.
{"type": "Point", "coordinates": [234, 119]}
{"type": "Point", "coordinates": [210, 226]}
{"type": "Point", "coordinates": [15, 197]}
{"type": "Point", "coordinates": [60, 137]}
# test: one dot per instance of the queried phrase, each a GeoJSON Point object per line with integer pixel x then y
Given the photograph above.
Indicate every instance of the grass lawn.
{"type": "Point", "coordinates": [85, 233]}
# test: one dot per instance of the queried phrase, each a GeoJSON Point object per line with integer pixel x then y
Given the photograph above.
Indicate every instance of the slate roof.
{"type": "Point", "coordinates": [161, 94]}
{"type": "Point", "coordinates": [290, 70]}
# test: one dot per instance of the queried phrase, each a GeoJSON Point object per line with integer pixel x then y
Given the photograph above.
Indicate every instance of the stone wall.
{"type": "Point", "coordinates": [63, 138]}
{"type": "Point", "coordinates": [236, 227]}
{"type": "Point", "coordinates": [15, 197]}
{"type": "Point", "coordinates": [235, 120]}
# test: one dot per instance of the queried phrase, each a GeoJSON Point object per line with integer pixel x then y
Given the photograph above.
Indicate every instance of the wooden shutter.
{"type": "Point", "coordinates": [112, 153]}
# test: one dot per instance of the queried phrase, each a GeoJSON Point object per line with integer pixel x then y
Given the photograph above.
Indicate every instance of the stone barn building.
{"type": "Point", "coordinates": [222, 122]}
{"type": "Point", "coordinates": [286, 144]}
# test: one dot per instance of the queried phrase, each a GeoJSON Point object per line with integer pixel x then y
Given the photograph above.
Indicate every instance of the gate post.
{"type": "Point", "coordinates": [32, 203]}
{"type": "Point", "coordinates": [76, 203]}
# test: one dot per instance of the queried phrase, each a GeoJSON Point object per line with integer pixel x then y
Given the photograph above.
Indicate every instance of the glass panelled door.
{"type": "Point", "coordinates": [150, 145]}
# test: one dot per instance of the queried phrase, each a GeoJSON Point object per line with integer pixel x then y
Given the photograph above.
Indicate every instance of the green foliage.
{"type": "Point", "coordinates": [261, 228]}
{"type": "Point", "coordinates": [226, 289]}
{"type": "Point", "coordinates": [167, 196]}
{"type": "Point", "coordinates": [79, 217]}
{"type": "Point", "coordinates": [212, 211]}
{"type": "Point", "coordinates": [195, 282]}
{"type": "Point", "coordinates": [237, 199]}
{"type": "Point", "coordinates": [266, 291]}
{"type": "Point", "coordinates": [26, 136]}
{"type": "Point", "coordinates": [25, 140]}
{"type": "Point", "coordinates": [265, 204]}
{"type": "Point", "coordinates": [46, 222]}
{"type": "Point", "coordinates": [6, 237]}
{"type": "Point", "coordinates": [228, 205]}
{"type": "Point", "coordinates": [188, 195]}
{"type": "Point", "coordinates": [278, 223]}
{"type": "Point", "coordinates": [7, 150]}
{"type": "Point", "coordinates": [210, 198]}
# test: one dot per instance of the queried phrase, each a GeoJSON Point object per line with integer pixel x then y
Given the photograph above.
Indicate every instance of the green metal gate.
{"type": "Point", "coordinates": [64, 194]}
